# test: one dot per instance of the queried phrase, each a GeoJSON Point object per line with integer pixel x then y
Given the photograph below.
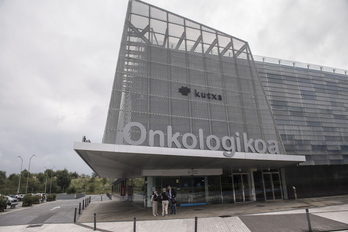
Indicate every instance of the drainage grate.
{"type": "Point", "coordinates": [197, 209]}
{"type": "Point", "coordinates": [224, 216]}
{"type": "Point", "coordinates": [38, 225]}
{"type": "Point", "coordinates": [260, 205]}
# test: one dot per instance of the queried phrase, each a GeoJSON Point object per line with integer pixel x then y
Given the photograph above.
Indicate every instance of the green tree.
{"type": "Point", "coordinates": [24, 175]}
{"type": "Point", "coordinates": [12, 183]}
{"type": "Point", "coordinates": [73, 175]}
{"type": "Point", "coordinates": [71, 190]}
{"type": "Point", "coordinates": [63, 179]}
{"type": "Point", "coordinates": [41, 177]}
{"type": "Point", "coordinates": [94, 175]}
{"type": "Point", "coordinates": [104, 181]}
{"type": "Point", "coordinates": [3, 182]}
{"type": "Point", "coordinates": [53, 182]}
{"type": "Point", "coordinates": [91, 188]}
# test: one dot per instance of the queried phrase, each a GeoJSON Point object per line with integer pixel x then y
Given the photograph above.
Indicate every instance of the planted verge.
{"type": "Point", "coordinates": [51, 197]}
{"type": "Point", "coordinates": [36, 199]}
{"type": "Point", "coordinates": [3, 202]}
{"type": "Point", "coordinates": [27, 200]}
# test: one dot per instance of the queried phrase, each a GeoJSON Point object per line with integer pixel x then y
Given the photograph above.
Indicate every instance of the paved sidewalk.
{"type": "Point", "coordinates": [326, 214]}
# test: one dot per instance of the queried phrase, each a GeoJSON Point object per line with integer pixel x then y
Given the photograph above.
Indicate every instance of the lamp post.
{"type": "Point", "coordinates": [51, 180]}
{"type": "Point", "coordinates": [26, 188]}
{"type": "Point", "coordinates": [46, 180]}
{"type": "Point", "coordinates": [20, 175]}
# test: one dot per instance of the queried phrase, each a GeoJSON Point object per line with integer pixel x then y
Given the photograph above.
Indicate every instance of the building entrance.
{"type": "Point", "coordinates": [233, 186]}
{"type": "Point", "coordinates": [193, 190]}
{"type": "Point", "coordinates": [189, 189]}
{"type": "Point", "coordinates": [272, 185]}
{"type": "Point", "coordinates": [268, 185]}
{"type": "Point", "coordinates": [241, 187]}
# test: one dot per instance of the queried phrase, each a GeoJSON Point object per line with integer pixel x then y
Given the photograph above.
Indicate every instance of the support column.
{"type": "Point", "coordinates": [150, 187]}
{"type": "Point", "coordinates": [285, 190]}
{"type": "Point", "coordinates": [206, 187]}
{"type": "Point", "coordinates": [252, 185]}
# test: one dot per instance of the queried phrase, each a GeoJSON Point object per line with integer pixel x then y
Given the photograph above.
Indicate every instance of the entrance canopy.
{"type": "Point", "coordinates": [125, 161]}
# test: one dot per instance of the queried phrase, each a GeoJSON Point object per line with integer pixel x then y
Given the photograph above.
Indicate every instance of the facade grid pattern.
{"type": "Point", "coordinates": [161, 54]}
{"type": "Point", "coordinates": [177, 74]}
{"type": "Point", "coordinates": [310, 108]}
{"type": "Point", "coordinates": [303, 108]}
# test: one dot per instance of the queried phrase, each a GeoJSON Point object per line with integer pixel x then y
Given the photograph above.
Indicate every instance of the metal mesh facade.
{"type": "Point", "coordinates": [173, 71]}
{"type": "Point", "coordinates": [310, 107]}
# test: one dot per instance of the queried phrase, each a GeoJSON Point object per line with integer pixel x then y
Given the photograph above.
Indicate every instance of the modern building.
{"type": "Point", "coordinates": [191, 107]}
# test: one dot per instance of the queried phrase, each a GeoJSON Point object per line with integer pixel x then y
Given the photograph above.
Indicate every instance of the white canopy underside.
{"type": "Point", "coordinates": [125, 161]}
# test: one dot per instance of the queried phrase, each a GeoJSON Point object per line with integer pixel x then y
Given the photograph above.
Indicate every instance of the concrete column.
{"type": "Point", "coordinates": [252, 186]}
{"type": "Point", "coordinates": [150, 187]}
{"type": "Point", "coordinates": [282, 176]}
{"type": "Point", "coordinates": [206, 187]}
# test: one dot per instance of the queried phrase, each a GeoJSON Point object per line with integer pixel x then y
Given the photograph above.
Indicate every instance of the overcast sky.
{"type": "Point", "coordinates": [58, 58]}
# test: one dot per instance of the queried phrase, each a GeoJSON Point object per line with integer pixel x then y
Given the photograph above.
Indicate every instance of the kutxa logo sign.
{"type": "Point", "coordinates": [231, 144]}
{"type": "Point", "coordinates": [185, 91]}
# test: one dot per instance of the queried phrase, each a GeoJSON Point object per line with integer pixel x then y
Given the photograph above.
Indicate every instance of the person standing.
{"type": "Point", "coordinates": [154, 200]}
{"type": "Point", "coordinates": [172, 200]}
{"type": "Point", "coordinates": [165, 199]}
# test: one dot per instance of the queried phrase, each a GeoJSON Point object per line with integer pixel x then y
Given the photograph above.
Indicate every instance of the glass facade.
{"type": "Point", "coordinates": [175, 72]}
{"type": "Point", "coordinates": [172, 71]}
{"type": "Point", "coordinates": [310, 107]}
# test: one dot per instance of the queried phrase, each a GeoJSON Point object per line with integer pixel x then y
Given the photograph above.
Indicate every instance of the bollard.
{"type": "Point", "coordinates": [79, 208]}
{"type": "Point", "coordinates": [195, 224]}
{"type": "Point", "coordinates": [83, 204]}
{"type": "Point", "coordinates": [95, 221]}
{"type": "Point", "coordinates": [75, 215]}
{"type": "Point", "coordinates": [295, 193]}
{"type": "Point", "coordinates": [101, 198]}
{"type": "Point", "coordinates": [86, 204]}
{"type": "Point", "coordinates": [134, 225]}
{"type": "Point", "coordinates": [309, 221]}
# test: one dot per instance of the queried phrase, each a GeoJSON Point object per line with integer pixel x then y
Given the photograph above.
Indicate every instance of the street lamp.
{"type": "Point", "coordinates": [20, 175]}
{"type": "Point", "coordinates": [51, 179]}
{"type": "Point", "coordinates": [46, 180]}
{"type": "Point", "coordinates": [26, 188]}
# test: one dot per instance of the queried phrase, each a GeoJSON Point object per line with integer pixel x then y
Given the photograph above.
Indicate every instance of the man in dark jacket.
{"type": "Point", "coordinates": [172, 200]}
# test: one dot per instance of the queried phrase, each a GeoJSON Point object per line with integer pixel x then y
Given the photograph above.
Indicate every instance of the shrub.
{"type": "Point", "coordinates": [91, 188]}
{"type": "Point", "coordinates": [3, 202]}
{"type": "Point", "coordinates": [36, 199]}
{"type": "Point", "coordinates": [71, 190]}
{"type": "Point", "coordinates": [51, 197]}
{"type": "Point", "coordinates": [27, 200]}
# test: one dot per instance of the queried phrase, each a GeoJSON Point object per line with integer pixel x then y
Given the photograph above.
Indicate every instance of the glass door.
{"type": "Point", "coordinates": [268, 186]}
{"type": "Point", "coordinates": [277, 187]}
{"type": "Point", "coordinates": [272, 185]}
{"type": "Point", "coordinates": [192, 190]}
{"type": "Point", "coordinates": [198, 190]}
{"type": "Point", "coordinates": [259, 188]}
{"type": "Point", "coordinates": [240, 184]}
